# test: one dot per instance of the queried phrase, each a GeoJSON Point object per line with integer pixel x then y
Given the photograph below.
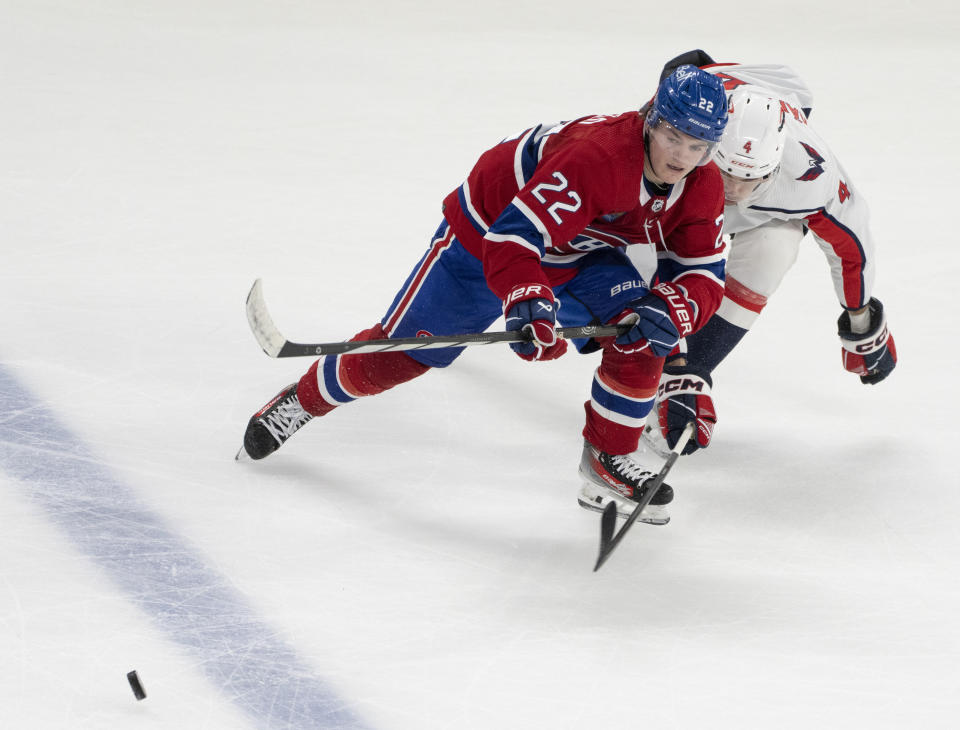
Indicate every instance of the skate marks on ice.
{"type": "Point", "coordinates": [191, 604]}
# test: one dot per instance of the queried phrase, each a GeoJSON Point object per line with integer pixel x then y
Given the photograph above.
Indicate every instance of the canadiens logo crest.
{"type": "Point", "coordinates": [657, 205]}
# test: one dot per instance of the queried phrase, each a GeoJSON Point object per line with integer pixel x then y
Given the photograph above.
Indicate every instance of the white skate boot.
{"type": "Point", "coordinates": [622, 480]}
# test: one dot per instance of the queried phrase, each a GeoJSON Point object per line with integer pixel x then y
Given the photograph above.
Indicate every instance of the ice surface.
{"type": "Point", "coordinates": [418, 561]}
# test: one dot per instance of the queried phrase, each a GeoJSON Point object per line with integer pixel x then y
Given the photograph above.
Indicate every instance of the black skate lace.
{"type": "Point", "coordinates": [627, 467]}
{"type": "Point", "coordinates": [286, 420]}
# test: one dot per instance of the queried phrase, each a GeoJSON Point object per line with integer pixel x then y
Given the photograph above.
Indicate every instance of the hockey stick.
{"type": "Point", "coordinates": [276, 345]}
{"type": "Point", "coordinates": [608, 541]}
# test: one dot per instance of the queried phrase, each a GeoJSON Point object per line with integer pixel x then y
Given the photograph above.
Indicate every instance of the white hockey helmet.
{"type": "Point", "coordinates": [752, 144]}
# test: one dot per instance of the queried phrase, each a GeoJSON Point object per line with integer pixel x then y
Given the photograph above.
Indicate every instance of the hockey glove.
{"type": "Point", "coordinates": [873, 354]}
{"type": "Point", "coordinates": [532, 309]}
{"type": "Point", "coordinates": [682, 397]}
{"type": "Point", "coordinates": [659, 320]}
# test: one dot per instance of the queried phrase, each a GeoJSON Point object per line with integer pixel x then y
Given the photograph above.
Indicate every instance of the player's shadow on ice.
{"type": "Point", "coordinates": [775, 479]}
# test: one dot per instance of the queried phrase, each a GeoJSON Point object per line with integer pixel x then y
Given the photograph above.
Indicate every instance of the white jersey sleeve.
{"type": "Point", "coordinates": [811, 185]}
{"type": "Point", "coordinates": [781, 80]}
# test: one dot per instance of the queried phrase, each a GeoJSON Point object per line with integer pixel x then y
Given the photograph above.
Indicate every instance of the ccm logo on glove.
{"type": "Point", "coordinates": [683, 397]}
{"type": "Point", "coordinates": [687, 385]}
{"type": "Point", "coordinates": [872, 354]}
{"type": "Point", "coordinates": [865, 348]}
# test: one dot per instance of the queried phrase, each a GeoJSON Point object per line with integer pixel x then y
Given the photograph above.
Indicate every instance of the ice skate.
{"type": "Point", "coordinates": [273, 424]}
{"type": "Point", "coordinates": [622, 479]}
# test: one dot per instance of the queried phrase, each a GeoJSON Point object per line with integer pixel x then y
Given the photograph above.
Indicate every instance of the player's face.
{"type": "Point", "coordinates": [738, 189]}
{"type": "Point", "coordinates": [673, 154]}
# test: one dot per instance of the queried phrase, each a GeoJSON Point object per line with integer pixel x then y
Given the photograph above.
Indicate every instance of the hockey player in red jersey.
{"type": "Point", "coordinates": [537, 234]}
{"type": "Point", "coordinates": [781, 181]}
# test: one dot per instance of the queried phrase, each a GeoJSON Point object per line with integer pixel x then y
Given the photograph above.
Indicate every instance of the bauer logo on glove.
{"type": "Point", "coordinates": [657, 321]}
{"type": "Point", "coordinates": [531, 308]}
{"type": "Point", "coordinates": [528, 291]}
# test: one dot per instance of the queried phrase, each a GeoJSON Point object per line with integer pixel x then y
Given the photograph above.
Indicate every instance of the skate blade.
{"type": "Point", "coordinates": [651, 515]}
{"type": "Point", "coordinates": [242, 455]}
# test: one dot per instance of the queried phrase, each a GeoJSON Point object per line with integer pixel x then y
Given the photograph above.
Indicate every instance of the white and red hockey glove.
{"type": "Point", "coordinates": [871, 354]}
{"type": "Point", "coordinates": [532, 308]}
{"type": "Point", "coordinates": [659, 320]}
{"type": "Point", "coordinates": [682, 397]}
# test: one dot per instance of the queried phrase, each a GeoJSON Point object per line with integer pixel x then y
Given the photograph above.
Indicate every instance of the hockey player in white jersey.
{"type": "Point", "coordinates": [781, 182]}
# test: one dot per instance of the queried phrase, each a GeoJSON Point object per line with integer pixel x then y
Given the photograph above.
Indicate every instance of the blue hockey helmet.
{"type": "Point", "coordinates": [692, 101]}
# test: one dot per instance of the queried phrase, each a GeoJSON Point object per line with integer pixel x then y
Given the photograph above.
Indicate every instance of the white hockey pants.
{"type": "Point", "coordinates": [758, 260]}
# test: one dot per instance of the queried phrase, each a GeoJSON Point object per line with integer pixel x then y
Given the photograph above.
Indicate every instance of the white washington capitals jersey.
{"type": "Point", "coordinates": [811, 185]}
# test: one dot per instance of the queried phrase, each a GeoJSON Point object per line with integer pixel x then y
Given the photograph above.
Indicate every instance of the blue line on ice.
{"type": "Point", "coordinates": [191, 603]}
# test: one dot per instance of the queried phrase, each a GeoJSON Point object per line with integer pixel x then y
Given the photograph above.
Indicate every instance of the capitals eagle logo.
{"type": "Point", "coordinates": [816, 164]}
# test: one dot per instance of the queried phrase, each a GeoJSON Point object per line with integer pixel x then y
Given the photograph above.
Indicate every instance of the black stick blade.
{"type": "Point", "coordinates": [608, 541]}
{"type": "Point", "coordinates": [608, 523]}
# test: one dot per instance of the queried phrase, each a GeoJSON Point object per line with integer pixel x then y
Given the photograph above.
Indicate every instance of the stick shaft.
{"type": "Point", "coordinates": [276, 345]}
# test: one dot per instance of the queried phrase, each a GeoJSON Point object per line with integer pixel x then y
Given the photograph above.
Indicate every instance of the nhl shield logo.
{"type": "Point", "coordinates": [657, 205]}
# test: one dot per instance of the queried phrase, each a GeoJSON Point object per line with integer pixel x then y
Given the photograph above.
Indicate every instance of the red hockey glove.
{"type": "Point", "coordinates": [531, 308]}
{"type": "Point", "coordinates": [873, 354]}
{"type": "Point", "coordinates": [682, 397]}
{"type": "Point", "coordinates": [659, 320]}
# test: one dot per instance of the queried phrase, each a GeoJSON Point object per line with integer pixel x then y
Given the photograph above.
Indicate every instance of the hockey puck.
{"type": "Point", "coordinates": [135, 685]}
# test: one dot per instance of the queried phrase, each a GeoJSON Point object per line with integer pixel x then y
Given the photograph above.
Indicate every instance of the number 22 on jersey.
{"type": "Point", "coordinates": [555, 207]}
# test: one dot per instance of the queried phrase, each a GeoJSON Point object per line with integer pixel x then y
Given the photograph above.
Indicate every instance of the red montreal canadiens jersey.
{"type": "Point", "coordinates": [535, 204]}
